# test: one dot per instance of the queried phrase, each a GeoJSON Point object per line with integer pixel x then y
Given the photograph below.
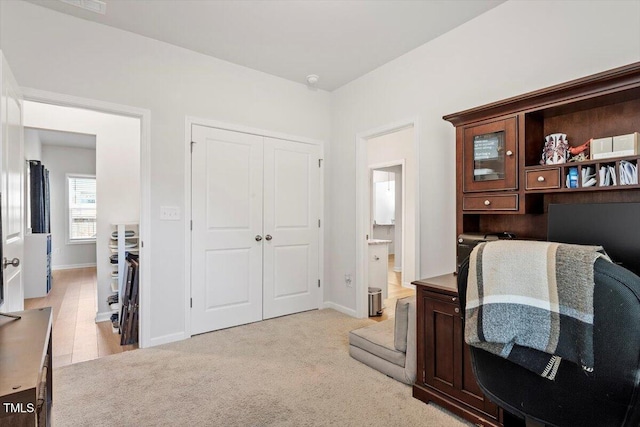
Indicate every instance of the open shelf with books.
{"type": "Point", "coordinates": [590, 175]}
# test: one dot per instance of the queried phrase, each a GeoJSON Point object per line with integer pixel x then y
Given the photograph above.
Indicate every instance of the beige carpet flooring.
{"type": "Point", "coordinates": [290, 371]}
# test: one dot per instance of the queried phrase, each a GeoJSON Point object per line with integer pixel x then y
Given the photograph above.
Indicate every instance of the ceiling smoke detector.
{"type": "Point", "coordinates": [312, 79]}
{"type": "Point", "coordinates": [97, 6]}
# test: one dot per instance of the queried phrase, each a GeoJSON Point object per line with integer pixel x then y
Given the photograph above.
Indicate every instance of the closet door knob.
{"type": "Point", "coordinates": [268, 237]}
{"type": "Point", "coordinates": [258, 238]}
{"type": "Point", "coordinates": [14, 262]}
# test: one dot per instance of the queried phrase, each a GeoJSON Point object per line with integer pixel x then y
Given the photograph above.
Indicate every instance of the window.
{"type": "Point", "coordinates": [81, 190]}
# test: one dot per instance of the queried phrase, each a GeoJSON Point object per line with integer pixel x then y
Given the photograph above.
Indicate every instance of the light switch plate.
{"type": "Point", "coordinates": [169, 213]}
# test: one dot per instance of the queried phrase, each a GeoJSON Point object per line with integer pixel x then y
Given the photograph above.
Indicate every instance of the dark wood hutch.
{"type": "Point", "coordinates": [603, 105]}
{"type": "Point", "coordinates": [511, 192]}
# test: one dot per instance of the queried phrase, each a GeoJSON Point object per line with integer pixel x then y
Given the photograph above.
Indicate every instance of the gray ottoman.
{"type": "Point", "coordinates": [389, 346]}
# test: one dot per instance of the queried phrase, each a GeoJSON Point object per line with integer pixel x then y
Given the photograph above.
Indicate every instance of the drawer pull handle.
{"type": "Point", "coordinates": [487, 202]}
{"type": "Point", "coordinates": [457, 310]}
{"type": "Point", "coordinates": [509, 153]}
{"type": "Point", "coordinates": [541, 178]}
{"type": "Point", "coordinates": [454, 299]}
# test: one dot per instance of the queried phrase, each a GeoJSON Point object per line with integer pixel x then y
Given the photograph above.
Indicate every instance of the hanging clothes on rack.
{"type": "Point", "coordinates": [39, 202]}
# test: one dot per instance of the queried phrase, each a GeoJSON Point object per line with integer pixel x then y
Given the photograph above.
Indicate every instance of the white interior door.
{"type": "Point", "coordinates": [12, 190]}
{"type": "Point", "coordinates": [227, 218]}
{"type": "Point", "coordinates": [291, 213]}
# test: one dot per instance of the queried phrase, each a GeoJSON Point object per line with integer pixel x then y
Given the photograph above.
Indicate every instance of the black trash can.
{"type": "Point", "coordinates": [375, 302]}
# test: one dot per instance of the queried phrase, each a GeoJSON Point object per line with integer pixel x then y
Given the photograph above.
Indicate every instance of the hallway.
{"type": "Point", "coordinates": [76, 336]}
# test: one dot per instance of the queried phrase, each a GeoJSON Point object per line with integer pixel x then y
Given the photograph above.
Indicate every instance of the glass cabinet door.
{"type": "Point", "coordinates": [490, 156]}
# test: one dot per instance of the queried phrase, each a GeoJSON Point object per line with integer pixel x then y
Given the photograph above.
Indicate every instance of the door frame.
{"type": "Point", "coordinates": [401, 163]}
{"type": "Point", "coordinates": [363, 204]}
{"type": "Point", "coordinates": [233, 127]}
{"type": "Point", "coordinates": [144, 115]}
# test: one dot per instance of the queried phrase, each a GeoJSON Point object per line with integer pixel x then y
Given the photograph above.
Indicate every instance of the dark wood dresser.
{"type": "Point", "coordinates": [445, 375]}
{"type": "Point", "coordinates": [25, 368]}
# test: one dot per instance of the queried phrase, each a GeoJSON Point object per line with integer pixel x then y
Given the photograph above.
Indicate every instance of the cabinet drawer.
{"type": "Point", "coordinates": [541, 179]}
{"type": "Point", "coordinates": [440, 297]}
{"type": "Point", "coordinates": [502, 202]}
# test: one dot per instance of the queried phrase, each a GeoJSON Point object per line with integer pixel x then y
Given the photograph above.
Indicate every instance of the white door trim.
{"type": "Point", "coordinates": [144, 115]}
{"type": "Point", "coordinates": [363, 204]}
{"type": "Point", "coordinates": [189, 122]}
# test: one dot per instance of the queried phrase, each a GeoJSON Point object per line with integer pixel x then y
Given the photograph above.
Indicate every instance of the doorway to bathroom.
{"type": "Point", "coordinates": [391, 224]}
{"type": "Point", "coordinates": [386, 234]}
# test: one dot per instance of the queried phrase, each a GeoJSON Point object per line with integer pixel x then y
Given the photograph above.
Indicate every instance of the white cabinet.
{"type": "Point", "coordinates": [378, 265]}
{"type": "Point", "coordinates": [37, 265]}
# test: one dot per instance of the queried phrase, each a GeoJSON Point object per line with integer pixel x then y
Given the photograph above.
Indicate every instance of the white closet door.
{"type": "Point", "coordinates": [12, 189]}
{"type": "Point", "coordinates": [227, 216]}
{"type": "Point", "coordinates": [291, 212]}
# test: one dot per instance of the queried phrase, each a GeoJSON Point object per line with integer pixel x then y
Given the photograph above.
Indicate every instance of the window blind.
{"type": "Point", "coordinates": [82, 208]}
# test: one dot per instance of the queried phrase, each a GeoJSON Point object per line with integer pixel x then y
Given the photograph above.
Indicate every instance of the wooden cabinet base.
{"type": "Point", "coordinates": [445, 375]}
{"type": "Point", "coordinates": [427, 394]}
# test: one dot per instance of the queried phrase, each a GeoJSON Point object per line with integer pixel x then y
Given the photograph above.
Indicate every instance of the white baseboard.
{"type": "Point", "coordinates": [165, 339]}
{"type": "Point", "coordinates": [340, 308]}
{"type": "Point", "coordinates": [397, 269]}
{"type": "Point", "coordinates": [72, 266]}
{"type": "Point", "coordinates": [103, 317]}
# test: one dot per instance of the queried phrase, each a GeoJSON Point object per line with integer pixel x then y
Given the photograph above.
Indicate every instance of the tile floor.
{"type": "Point", "coordinates": [76, 336]}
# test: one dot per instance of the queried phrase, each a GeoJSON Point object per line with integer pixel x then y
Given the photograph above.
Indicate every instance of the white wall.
{"type": "Point", "coordinates": [397, 260]}
{"type": "Point", "coordinates": [32, 145]}
{"type": "Point", "coordinates": [117, 170]}
{"type": "Point", "coordinates": [59, 53]}
{"type": "Point", "coordinates": [32, 151]}
{"type": "Point", "coordinates": [61, 161]}
{"type": "Point", "coordinates": [517, 47]}
{"type": "Point", "coordinates": [396, 147]}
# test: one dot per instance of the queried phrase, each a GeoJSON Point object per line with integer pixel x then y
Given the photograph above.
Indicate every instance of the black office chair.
{"type": "Point", "coordinates": [610, 396]}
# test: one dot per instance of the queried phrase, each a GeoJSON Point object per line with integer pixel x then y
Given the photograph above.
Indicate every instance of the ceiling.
{"type": "Point", "coordinates": [337, 40]}
{"type": "Point", "coordinates": [64, 139]}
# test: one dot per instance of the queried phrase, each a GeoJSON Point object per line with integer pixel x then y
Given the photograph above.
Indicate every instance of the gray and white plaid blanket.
{"type": "Point", "coordinates": [532, 303]}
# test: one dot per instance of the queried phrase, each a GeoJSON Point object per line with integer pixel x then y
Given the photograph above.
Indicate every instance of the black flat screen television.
{"type": "Point", "coordinates": [614, 226]}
